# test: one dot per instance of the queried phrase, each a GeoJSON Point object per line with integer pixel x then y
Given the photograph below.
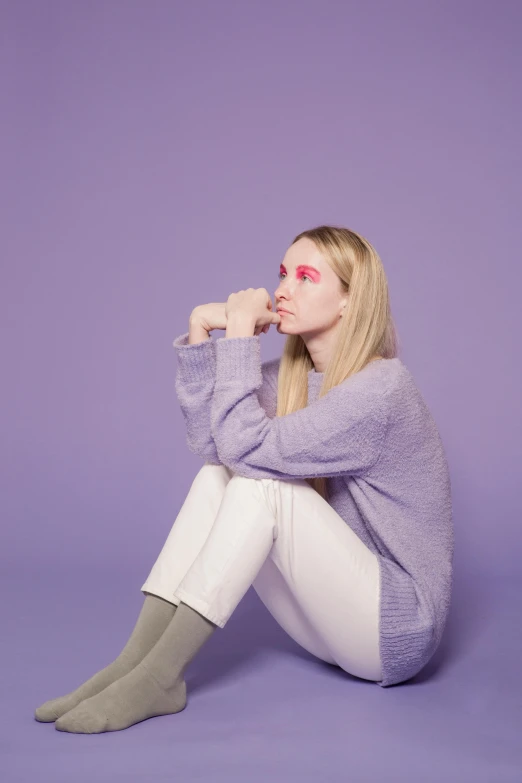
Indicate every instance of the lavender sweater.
{"type": "Point", "coordinates": [375, 439]}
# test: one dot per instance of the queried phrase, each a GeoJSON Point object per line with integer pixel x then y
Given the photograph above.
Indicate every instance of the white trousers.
{"type": "Point", "coordinates": [312, 572]}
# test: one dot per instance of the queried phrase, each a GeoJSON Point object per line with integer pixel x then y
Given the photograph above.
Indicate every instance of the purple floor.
{"type": "Point", "coordinates": [259, 707]}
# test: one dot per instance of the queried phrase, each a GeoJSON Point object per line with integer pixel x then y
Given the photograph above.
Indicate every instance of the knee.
{"type": "Point", "coordinates": [211, 473]}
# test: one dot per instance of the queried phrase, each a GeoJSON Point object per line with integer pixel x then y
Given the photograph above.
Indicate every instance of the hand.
{"type": "Point", "coordinates": [210, 316]}
{"type": "Point", "coordinates": [254, 304]}
{"type": "Point", "coordinates": [213, 316]}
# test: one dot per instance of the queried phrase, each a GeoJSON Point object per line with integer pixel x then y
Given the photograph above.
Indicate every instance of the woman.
{"type": "Point", "coordinates": [325, 486]}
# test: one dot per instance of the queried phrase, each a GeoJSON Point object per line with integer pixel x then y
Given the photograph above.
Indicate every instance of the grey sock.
{"type": "Point", "coordinates": [154, 687]}
{"type": "Point", "coordinates": [154, 617]}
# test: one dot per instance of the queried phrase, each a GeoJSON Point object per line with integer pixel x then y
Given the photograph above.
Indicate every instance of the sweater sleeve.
{"type": "Point", "coordinates": [337, 434]}
{"type": "Point", "coordinates": [195, 380]}
{"type": "Point", "coordinates": [194, 386]}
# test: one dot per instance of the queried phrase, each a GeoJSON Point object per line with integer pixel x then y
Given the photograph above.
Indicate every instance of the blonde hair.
{"type": "Point", "coordinates": [366, 332]}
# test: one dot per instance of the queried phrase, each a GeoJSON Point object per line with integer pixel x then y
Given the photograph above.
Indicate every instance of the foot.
{"type": "Point", "coordinates": [54, 708]}
{"type": "Point", "coordinates": [131, 699]}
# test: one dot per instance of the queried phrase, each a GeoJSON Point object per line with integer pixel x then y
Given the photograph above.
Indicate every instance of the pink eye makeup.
{"type": "Point", "coordinates": [304, 270]}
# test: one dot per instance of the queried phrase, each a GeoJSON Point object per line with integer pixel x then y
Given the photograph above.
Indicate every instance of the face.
{"type": "Point", "coordinates": [310, 290]}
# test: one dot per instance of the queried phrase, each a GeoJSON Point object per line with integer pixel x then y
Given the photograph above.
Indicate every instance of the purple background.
{"type": "Point", "coordinates": [158, 155]}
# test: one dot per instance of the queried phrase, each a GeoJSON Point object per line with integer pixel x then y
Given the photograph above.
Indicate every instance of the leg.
{"type": "Point", "coordinates": [314, 574]}
{"type": "Point", "coordinates": [186, 539]}
{"type": "Point", "coordinates": [327, 599]}
{"type": "Point", "coordinates": [321, 583]}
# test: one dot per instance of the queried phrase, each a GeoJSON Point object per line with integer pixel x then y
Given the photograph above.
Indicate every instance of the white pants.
{"type": "Point", "coordinates": [311, 571]}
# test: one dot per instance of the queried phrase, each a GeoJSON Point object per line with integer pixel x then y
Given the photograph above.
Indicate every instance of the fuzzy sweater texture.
{"type": "Point", "coordinates": [377, 443]}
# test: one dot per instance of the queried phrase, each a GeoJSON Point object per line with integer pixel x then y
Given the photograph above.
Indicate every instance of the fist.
{"type": "Point", "coordinates": [254, 304]}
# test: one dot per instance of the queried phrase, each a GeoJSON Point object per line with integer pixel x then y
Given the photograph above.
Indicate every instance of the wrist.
{"type": "Point", "coordinates": [197, 332]}
{"type": "Point", "coordinates": [240, 325]}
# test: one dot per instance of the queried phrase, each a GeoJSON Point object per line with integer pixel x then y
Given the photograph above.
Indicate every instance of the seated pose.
{"type": "Point", "coordinates": [325, 486]}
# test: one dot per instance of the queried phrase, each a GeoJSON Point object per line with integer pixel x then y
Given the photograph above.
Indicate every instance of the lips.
{"type": "Point", "coordinates": [282, 310]}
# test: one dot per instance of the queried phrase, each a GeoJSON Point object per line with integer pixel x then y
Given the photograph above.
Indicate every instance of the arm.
{"type": "Point", "coordinates": [340, 433]}
{"type": "Point", "coordinates": [194, 385]}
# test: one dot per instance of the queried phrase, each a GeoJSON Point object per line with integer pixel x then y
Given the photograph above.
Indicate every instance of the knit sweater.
{"type": "Point", "coordinates": [377, 443]}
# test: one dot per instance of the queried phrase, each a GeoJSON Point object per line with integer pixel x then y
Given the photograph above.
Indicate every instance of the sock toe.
{"type": "Point", "coordinates": [50, 710]}
{"type": "Point", "coordinates": [81, 720]}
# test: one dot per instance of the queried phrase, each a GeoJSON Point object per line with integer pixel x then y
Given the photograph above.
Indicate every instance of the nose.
{"type": "Point", "coordinates": [282, 290]}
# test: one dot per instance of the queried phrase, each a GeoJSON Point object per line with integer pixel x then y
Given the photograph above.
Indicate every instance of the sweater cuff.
{"type": "Point", "coordinates": [196, 361]}
{"type": "Point", "coordinates": [239, 359]}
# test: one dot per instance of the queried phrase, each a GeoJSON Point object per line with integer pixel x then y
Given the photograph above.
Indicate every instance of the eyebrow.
{"type": "Point", "coordinates": [302, 266]}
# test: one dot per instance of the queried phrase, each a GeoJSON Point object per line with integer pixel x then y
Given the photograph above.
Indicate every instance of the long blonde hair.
{"type": "Point", "coordinates": [367, 329]}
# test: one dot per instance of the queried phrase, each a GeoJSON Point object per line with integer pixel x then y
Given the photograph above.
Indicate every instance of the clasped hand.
{"type": "Point", "coordinates": [252, 307]}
